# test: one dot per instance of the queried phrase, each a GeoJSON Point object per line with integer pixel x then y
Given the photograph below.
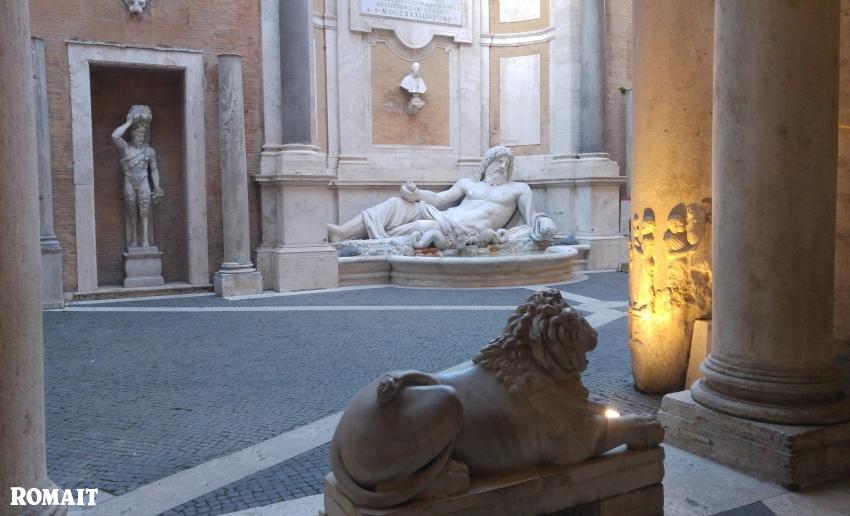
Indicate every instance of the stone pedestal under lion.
{"type": "Point", "coordinates": [513, 433]}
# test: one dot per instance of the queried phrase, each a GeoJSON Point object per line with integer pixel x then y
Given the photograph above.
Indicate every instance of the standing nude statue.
{"type": "Point", "coordinates": [138, 158]}
{"type": "Point", "coordinates": [482, 205]}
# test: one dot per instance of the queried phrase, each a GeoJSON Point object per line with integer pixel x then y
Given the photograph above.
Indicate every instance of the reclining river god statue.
{"type": "Point", "coordinates": [487, 208]}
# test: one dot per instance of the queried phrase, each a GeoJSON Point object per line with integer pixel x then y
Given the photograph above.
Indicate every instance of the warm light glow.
{"type": "Point", "coordinates": [611, 413]}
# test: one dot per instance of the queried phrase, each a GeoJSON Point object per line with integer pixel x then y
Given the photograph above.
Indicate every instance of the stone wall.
{"type": "Point", "coordinates": [842, 243]}
{"type": "Point", "coordinates": [212, 27]}
{"type": "Point", "coordinates": [508, 64]}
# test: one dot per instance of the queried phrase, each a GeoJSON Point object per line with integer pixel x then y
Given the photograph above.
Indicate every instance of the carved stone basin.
{"type": "Point", "coordinates": [554, 265]}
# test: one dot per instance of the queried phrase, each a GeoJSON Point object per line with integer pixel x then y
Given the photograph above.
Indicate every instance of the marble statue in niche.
{"type": "Point", "coordinates": [483, 208]}
{"type": "Point", "coordinates": [642, 277]}
{"type": "Point", "coordinates": [135, 6]}
{"type": "Point", "coordinates": [414, 84]}
{"type": "Point", "coordinates": [521, 404]}
{"type": "Point", "coordinates": [141, 175]}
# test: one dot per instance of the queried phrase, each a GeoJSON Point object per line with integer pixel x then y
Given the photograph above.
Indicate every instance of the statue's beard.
{"type": "Point", "coordinates": [497, 179]}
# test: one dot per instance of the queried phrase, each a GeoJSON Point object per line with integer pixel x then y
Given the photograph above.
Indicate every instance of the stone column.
{"type": "Point", "coordinates": [771, 368]}
{"type": "Point", "coordinates": [592, 83]}
{"type": "Point", "coordinates": [295, 183]}
{"type": "Point", "coordinates": [596, 178]}
{"type": "Point", "coordinates": [775, 162]}
{"type": "Point", "coordinates": [296, 68]}
{"type": "Point", "coordinates": [51, 251]}
{"type": "Point", "coordinates": [670, 243]}
{"type": "Point", "coordinates": [21, 344]}
{"type": "Point", "coordinates": [237, 275]}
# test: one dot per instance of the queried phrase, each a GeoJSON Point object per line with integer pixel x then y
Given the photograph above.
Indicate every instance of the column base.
{"type": "Point", "coordinates": [286, 269]}
{"type": "Point", "coordinates": [143, 267]}
{"type": "Point", "coordinates": [52, 295]}
{"type": "Point", "coordinates": [243, 283]}
{"type": "Point", "coordinates": [792, 456]}
{"type": "Point", "coordinates": [773, 397]}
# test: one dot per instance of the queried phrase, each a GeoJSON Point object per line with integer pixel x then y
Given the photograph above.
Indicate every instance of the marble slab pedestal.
{"type": "Point", "coordinates": [143, 267]}
{"type": "Point", "coordinates": [619, 482]}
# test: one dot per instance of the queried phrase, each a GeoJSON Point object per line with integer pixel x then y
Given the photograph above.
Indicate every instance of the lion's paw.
{"type": "Point", "coordinates": [644, 431]}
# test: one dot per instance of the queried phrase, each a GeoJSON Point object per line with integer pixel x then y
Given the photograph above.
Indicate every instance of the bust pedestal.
{"type": "Point", "coordinates": [143, 267]}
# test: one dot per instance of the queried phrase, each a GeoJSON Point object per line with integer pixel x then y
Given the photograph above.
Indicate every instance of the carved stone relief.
{"type": "Point", "coordinates": [669, 287]}
{"type": "Point", "coordinates": [688, 275]}
{"type": "Point", "coordinates": [135, 6]}
{"type": "Point", "coordinates": [684, 265]}
{"type": "Point", "coordinates": [642, 245]}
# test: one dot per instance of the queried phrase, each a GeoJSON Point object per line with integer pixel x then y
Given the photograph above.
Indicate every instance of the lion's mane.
{"type": "Point", "coordinates": [544, 337]}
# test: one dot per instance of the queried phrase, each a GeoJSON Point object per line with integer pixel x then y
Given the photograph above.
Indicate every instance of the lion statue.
{"type": "Point", "coordinates": [412, 435]}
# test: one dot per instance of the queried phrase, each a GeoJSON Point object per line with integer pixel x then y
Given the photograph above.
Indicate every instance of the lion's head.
{"type": "Point", "coordinates": [544, 336]}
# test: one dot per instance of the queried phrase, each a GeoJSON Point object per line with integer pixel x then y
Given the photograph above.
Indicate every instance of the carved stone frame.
{"type": "Point", "coordinates": [413, 34]}
{"type": "Point", "coordinates": [80, 56]}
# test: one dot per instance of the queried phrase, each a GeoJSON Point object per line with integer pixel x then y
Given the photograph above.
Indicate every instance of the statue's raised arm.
{"type": "Point", "coordinates": [118, 133]}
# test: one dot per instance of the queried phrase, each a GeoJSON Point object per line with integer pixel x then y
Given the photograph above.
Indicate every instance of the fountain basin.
{"type": "Point", "coordinates": [535, 268]}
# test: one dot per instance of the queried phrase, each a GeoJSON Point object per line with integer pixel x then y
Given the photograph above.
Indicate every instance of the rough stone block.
{"type": "Point", "coordinates": [792, 456]}
{"type": "Point", "coordinates": [700, 348]}
{"type": "Point", "coordinates": [238, 283]}
{"type": "Point", "coordinates": [617, 483]}
{"type": "Point", "coordinates": [305, 268]}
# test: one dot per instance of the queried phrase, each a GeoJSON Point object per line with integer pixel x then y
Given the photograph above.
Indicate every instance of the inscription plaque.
{"type": "Point", "coordinates": [448, 12]}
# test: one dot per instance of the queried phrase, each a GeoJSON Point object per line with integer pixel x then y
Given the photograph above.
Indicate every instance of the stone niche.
{"type": "Point", "coordinates": [106, 79]}
{"type": "Point", "coordinates": [391, 125]}
{"type": "Point", "coordinates": [113, 91]}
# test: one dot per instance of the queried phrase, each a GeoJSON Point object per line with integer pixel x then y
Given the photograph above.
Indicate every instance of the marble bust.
{"type": "Point", "coordinates": [519, 405]}
{"type": "Point", "coordinates": [141, 175]}
{"type": "Point", "coordinates": [490, 208]}
{"type": "Point", "coordinates": [414, 84]}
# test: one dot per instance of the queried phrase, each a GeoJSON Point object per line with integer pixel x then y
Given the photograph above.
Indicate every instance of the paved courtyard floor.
{"type": "Point", "coordinates": [200, 405]}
